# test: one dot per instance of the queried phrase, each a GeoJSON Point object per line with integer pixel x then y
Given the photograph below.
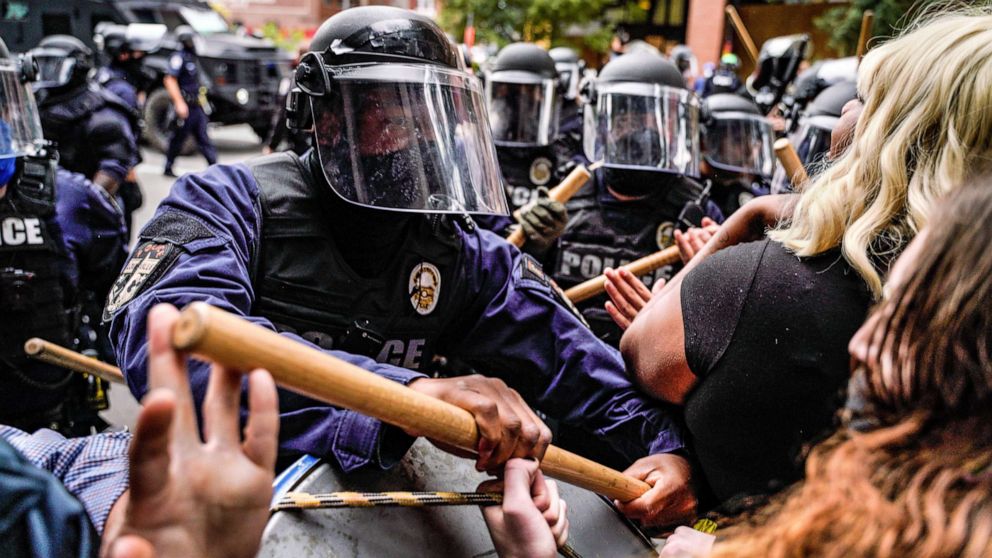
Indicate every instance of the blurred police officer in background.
{"type": "Point", "coordinates": [92, 127]}
{"type": "Point", "coordinates": [522, 95]}
{"type": "Point", "coordinates": [812, 135]}
{"type": "Point", "coordinates": [189, 100]}
{"type": "Point", "coordinates": [62, 242]}
{"type": "Point", "coordinates": [643, 124]}
{"type": "Point", "coordinates": [571, 71]}
{"type": "Point", "coordinates": [124, 48]}
{"type": "Point", "coordinates": [724, 78]}
{"type": "Point", "coordinates": [737, 150]}
{"type": "Point", "coordinates": [360, 248]}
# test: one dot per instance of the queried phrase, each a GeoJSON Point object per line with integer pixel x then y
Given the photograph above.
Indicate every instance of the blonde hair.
{"type": "Point", "coordinates": [926, 124]}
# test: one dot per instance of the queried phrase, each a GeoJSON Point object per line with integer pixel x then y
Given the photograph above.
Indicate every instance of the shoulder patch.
{"type": "Point", "coordinates": [176, 61]}
{"type": "Point", "coordinates": [148, 262]}
{"type": "Point", "coordinates": [424, 287]}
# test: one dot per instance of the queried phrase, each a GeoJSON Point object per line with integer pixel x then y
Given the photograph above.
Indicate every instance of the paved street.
{"type": "Point", "coordinates": [234, 143]}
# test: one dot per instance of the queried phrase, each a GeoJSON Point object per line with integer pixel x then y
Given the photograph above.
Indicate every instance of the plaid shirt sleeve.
{"type": "Point", "coordinates": [94, 468]}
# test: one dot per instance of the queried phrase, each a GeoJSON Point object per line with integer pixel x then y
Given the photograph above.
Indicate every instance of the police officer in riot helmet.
{"type": "Point", "coordinates": [642, 123]}
{"type": "Point", "coordinates": [724, 78]}
{"type": "Point", "coordinates": [124, 75]}
{"type": "Point", "coordinates": [812, 136]}
{"type": "Point", "coordinates": [361, 247]}
{"type": "Point", "coordinates": [188, 100]}
{"type": "Point", "coordinates": [571, 71]}
{"type": "Point", "coordinates": [94, 128]}
{"type": "Point", "coordinates": [61, 235]}
{"type": "Point", "coordinates": [737, 150]}
{"type": "Point", "coordinates": [524, 104]}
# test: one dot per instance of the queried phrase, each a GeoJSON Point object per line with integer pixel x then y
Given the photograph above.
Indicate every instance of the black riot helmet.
{"type": "Point", "coordinates": [522, 96]}
{"type": "Point", "coordinates": [816, 124]}
{"type": "Point", "coordinates": [398, 123]}
{"type": "Point", "coordinates": [570, 68]}
{"type": "Point", "coordinates": [823, 74]}
{"type": "Point", "coordinates": [642, 123]}
{"type": "Point", "coordinates": [737, 138]}
{"type": "Point", "coordinates": [64, 63]}
{"type": "Point", "coordinates": [778, 63]}
{"type": "Point", "coordinates": [112, 40]}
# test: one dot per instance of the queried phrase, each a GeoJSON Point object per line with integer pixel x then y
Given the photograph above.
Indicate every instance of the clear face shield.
{"type": "Point", "coordinates": [55, 68]}
{"type": "Point", "coordinates": [20, 126]}
{"type": "Point", "coordinates": [408, 138]}
{"type": "Point", "coordinates": [740, 143]}
{"type": "Point", "coordinates": [523, 109]}
{"type": "Point", "coordinates": [638, 126]}
{"type": "Point", "coordinates": [812, 143]}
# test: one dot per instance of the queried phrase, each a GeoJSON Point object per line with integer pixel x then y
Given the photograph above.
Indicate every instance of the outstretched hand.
{"type": "Point", "coordinates": [532, 521]}
{"type": "Point", "coordinates": [189, 498]}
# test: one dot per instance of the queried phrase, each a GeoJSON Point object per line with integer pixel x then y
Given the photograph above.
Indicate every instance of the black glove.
{"type": "Point", "coordinates": [543, 221]}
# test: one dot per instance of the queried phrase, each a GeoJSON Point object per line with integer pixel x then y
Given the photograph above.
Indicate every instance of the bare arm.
{"type": "Point", "coordinates": [172, 86]}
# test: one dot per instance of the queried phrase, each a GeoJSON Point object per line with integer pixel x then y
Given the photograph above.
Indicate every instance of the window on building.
{"type": "Point", "coordinates": [55, 24]}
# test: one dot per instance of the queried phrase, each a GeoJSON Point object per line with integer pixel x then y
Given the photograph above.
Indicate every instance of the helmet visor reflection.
{"type": "Point", "coordinates": [408, 138]}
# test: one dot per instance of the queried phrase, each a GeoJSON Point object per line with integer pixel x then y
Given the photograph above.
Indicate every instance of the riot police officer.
{"type": "Point", "coordinates": [643, 125]}
{"type": "Point", "coordinates": [571, 70]}
{"type": "Point", "coordinates": [188, 100]}
{"type": "Point", "coordinates": [360, 248]}
{"type": "Point", "coordinates": [737, 150]}
{"type": "Point", "coordinates": [524, 104]}
{"type": "Point", "coordinates": [60, 236]}
{"type": "Point", "coordinates": [812, 137]}
{"type": "Point", "coordinates": [92, 127]}
{"type": "Point", "coordinates": [124, 49]}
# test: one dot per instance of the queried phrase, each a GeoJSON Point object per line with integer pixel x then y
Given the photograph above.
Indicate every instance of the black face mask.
{"type": "Point", "coordinates": [189, 47]}
{"type": "Point", "coordinates": [639, 183]}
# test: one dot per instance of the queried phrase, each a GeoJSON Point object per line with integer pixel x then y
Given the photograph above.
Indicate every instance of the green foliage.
{"type": "Point", "coordinates": [286, 39]}
{"type": "Point", "coordinates": [506, 21]}
{"type": "Point", "coordinates": [844, 23]}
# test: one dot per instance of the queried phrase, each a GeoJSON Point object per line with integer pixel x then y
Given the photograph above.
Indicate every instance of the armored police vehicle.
{"type": "Point", "coordinates": [242, 74]}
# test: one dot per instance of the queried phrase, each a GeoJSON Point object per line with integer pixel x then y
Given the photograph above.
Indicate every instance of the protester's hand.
{"type": "Point", "coordinates": [189, 498]}
{"type": "Point", "coordinates": [694, 239]}
{"type": "Point", "coordinates": [182, 110]}
{"type": "Point", "coordinates": [543, 221]}
{"type": "Point", "coordinates": [670, 498]}
{"type": "Point", "coordinates": [628, 295]}
{"type": "Point", "coordinates": [686, 542]}
{"type": "Point", "coordinates": [507, 425]}
{"type": "Point", "coordinates": [533, 520]}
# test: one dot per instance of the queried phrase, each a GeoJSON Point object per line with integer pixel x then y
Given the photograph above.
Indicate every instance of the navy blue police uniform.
{"type": "Point", "coordinates": [184, 67]}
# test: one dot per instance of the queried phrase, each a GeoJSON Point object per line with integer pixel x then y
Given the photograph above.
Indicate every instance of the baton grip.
{"type": "Point", "coordinates": [790, 162]}
{"type": "Point", "coordinates": [560, 193]}
{"type": "Point", "coordinates": [232, 341]}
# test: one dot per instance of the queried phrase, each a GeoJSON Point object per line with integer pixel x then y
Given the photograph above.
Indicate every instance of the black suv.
{"type": "Point", "coordinates": [243, 74]}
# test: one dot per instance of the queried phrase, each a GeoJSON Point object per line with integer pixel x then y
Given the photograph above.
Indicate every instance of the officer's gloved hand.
{"type": "Point", "coordinates": [543, 221]}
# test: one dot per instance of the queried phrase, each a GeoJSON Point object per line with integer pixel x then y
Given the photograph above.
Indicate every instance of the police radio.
{"type": "Point", "coordinates": [693, 212]}
{"type": "Point", "coordinates": [35, 179]}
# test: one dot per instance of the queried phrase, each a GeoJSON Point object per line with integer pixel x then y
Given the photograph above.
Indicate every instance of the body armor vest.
{"type": "Point", "coordinates": [525, 169]}
{"type": "Point", "coordinates": [604, 232]}
{"type": "Point", "coordinates": [65, 119]}
{"type": "Point", "coordinates": [32, 303]}
{"type": "Point", "coordinates": [304, 286]}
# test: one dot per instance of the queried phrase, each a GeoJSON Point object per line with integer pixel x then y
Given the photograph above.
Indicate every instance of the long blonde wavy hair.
{"type": "Point", "coordinates": [927, 121]}
{"type": "Point", "coordinates": [911, 475]}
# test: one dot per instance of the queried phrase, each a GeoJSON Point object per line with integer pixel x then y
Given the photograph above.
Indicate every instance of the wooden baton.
{"type": "Point", "coordinates": [866, 22]}
{"type": "Point", "coordinates": [647, 264]}
{"type": "Point", "coordinates": [560, 193]}
{"type": "Point", "coordinates": [742, 32]}
{"type": "Point", "coordinates": [790, 162]}
{"type": "Point", "coordinates": [229, 340]}
{"type": "Point", "coordinates": [60, 356]}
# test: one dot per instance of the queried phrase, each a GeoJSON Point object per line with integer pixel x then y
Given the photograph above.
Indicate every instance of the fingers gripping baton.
{"type": "Point", "coordinates": [647, 264]}
{"type": "Point", "coordinates": [229, 340]}
{"type": "Point", "coordinates": [560, 193]}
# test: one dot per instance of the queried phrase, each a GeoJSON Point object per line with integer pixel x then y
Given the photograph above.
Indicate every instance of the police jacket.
{"type": "Point", "coordinates": [94, 130]}
{"type": "Point", "coordinates": [604, 232]}
{"type": "Point", "coordinates": [237, 238]}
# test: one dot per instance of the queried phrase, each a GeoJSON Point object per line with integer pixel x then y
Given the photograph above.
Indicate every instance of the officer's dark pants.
{"type": "Point", "coordinates": [196, 124]}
